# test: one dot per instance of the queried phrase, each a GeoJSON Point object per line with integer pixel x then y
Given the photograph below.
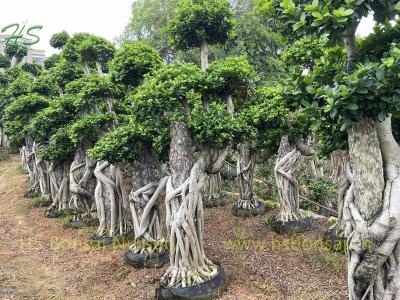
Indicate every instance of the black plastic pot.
{"type": "Point", "coordinates": [210, 289]}
{"type": "Point", "coordinates": [243, 212]}
{"type": "Point", "coordinates": [140, 261]}
{"type": "Point", "coordinates": [99, 241]}
{"type": "Point", "coordinates": [54, 213]}
{"type": "Point", "coordinates": [217, 202]}
{"type": "Point", "coordinates": [289, 227]}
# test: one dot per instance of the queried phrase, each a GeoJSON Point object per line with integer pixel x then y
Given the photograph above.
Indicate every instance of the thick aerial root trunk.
{"type": "Point", "coordinates": [286, 179]}
{"type": "Point", "coordinates": [372, 213]}
{"type": "Point", "coordinates": [40, 172]}
{"type": "Point", "coordinates": [111, 200]}
{"type": "Point", "coordinates": [212, 186]}
{"type": "Point", "coordinates": [245, 171]}
{"type": "Point", "coordinates": [59, 185]}
{"type": "Point", "coordinates": [341, 174]}
{"type": "Point", "coordinates": [3, 139]}
{"type": "Point", "coordinates": [144, 204]}
{"type": "Point", "coordinates": [82, 185]}
{"type": "Point", "coordinates": [188, 263]}
{"type": "Point", "coordinates": [184, 210]}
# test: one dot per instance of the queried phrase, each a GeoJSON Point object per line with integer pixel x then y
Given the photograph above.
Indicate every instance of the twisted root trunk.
{"type": "Point", "coordinates": [245, 170]}
{"type": "Point", "coordinates": [184, 214]}
{"type": "Point", "coordinates": [188, 263]}
{"type": "Point", "coordinates": [212, 186]}
{"type": "Point", "coordinates": [82, 185]}
{"type": "Point", "coordinates": [341, 175]}
{"type": "Point", "coordinates": [59, 185]}
{"type": "Point", "coordinates": [373, 214]}
{"type": "Point", "coordinates": [144, 204]}
{"type": "Point", "coordinates": [40, 172]}
{"type": "Point", "coordinates": [111, 200]}
{"type": "Point", "coordinates": [286, 179]}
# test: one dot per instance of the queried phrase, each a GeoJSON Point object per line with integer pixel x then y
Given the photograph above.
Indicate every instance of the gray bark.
{"type": "Point", "coordinates": [373, 214]}
{"type": "Point", "coordinates": [184, 213]}
{"type": "Point", "coordinates": [82, 184]}
{"type": "Point", "coordinates": [144, 203]}
{"type": "Point", "coordinates": [287, 182]}
{"type": "Point", "coordinates": [245, 171]}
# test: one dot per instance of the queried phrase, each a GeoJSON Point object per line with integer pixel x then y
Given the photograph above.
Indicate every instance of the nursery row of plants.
{"type": "Point", "coordinates": [109, 134]}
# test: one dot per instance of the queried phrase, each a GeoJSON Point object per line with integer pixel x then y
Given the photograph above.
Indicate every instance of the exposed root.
{"type": "Point", "coordinates": [188, 263]}
{"type": "Point", "coordinates": [286, 179]}
{"type": "Point", "coordinates": [111, 200]}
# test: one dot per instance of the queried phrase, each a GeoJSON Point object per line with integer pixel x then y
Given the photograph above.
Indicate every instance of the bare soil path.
{"type": "Point", "coordinates": [39, 259]}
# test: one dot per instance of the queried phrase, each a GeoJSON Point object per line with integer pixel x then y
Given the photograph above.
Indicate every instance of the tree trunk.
{"type": "Point", "coordinates": [59, 185]}
{"type": "Point", "coordinates": [204, 55]}
{"type": "Point", "coordinates": [286, 179]}
{"type": "Point", "coordinates": [111, 200]}
{"type": "Point", "coordinates": [82, 185]}
{"type": "Point", "coordinates": [245, 171]}
{"type": "Point", "coordinates": [184, 214]}
{"type": "Point", "coordinates": [144, 203]}
{"type": "Point", "coordinates": [40, 172]}
{"type": "Point", "coordinates": [341, 175]}
{"type": "Point", "coordinates": [374, 212]}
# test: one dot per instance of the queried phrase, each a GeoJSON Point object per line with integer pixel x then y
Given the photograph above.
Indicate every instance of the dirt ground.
{"type": "Point", "coordinates": [39, 259]}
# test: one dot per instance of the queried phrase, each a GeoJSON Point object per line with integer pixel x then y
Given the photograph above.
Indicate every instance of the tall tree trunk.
{"type": "Point", "coordinates": [204, 55]}
{"type": "Point", "coordinates": [184, 214]}
{"type": "Point", "coordinates": [374, 212]}
{"type": "Point", "coordinates": [247, 205]}
{"type": "Point", "coordinates": [144, 203]}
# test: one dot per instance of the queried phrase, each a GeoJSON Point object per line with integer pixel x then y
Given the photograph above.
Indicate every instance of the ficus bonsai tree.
{"type": "Point", "coordinates": [134, 143]}
{"type": "Point", "coordinates": [364, 95]}
{"type": "Point", "coordinates": [265, 115]}
{"type": "Point", "coordinates": [49, 127]}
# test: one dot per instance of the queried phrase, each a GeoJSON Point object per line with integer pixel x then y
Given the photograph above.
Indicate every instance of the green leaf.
{"type": "Point", "coordinates": [352, 106]}
{"type": "Point", "coordinates": [382, 116]}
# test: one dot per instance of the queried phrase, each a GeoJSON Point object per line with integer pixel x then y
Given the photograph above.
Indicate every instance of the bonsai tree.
{"type": "Point", "coordinates": [173, 95]}
{"type": "Point", "coordinates": [48, 127]}
{"type": "Point", "coordinates": [16, 119]}
{"type": "Point", "coordinates": [58, 40]}
{"type": "Point", "coordinates": [129, 66]}
{"type": "Point", "coordinates": [265, 114]}
{"type": "Point", "coordinates": [364, 95]}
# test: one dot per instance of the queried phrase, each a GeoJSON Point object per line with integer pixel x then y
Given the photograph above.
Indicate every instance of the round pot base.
{"type": "Point", "coordinates": [244, 212]}
{"type": "Point", "coordinates": [140, 261]}
{"type": "Point", "coordinates": [217, 201]}
{"type": "Point", "coordinates": [289, 227]}
{"type": "Point", "coordinates": [98, 241]}
{"type": "Point", "coordinates": [210, 289]}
